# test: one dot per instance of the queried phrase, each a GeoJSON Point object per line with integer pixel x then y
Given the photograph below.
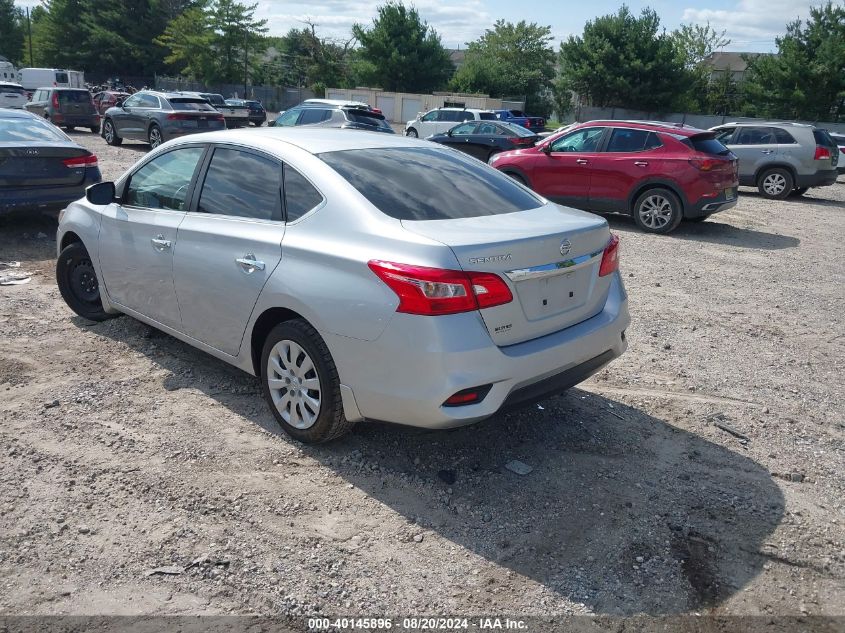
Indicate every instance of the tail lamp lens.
{"type": "Point", "coordinates": [80, 161]}
{"type": "Point", "coordinates": [435, 291]}
{"type": "Point", "coordinates": [822, 153]}
{"type": "Point", "coordinates": [610, 258]}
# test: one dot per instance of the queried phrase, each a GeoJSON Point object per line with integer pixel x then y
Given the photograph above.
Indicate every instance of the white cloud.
{"type": "Point", "coordinates": [752, 24]}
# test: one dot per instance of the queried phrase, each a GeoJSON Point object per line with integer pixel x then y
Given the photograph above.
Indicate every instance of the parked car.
{"type": "Point", "coordinates": [781, 159]}
{"type": "Point", "coordinates": [442, 119]}
{"type": "Point", "coordinates": [12, 95]}
{"type": "Point", "coordinates": [235, 116]}
{"type": "Point", "coordinates": [66, 107]}
{"type": "Point", "coordinates": [374, 277]}
{"type": "Point", "coordinates": [343, 103]}
{"type": "Point", "coordinates": [483, 139]}
{"type": "Point", "coordinates": [108, 99]}
{"type": "Point", "coordinates": [41, 168]}
{"type": "Point", "coordinates": [156, 117]}
{"type": "Point", "coordinates": [257, 113]}
{"type": "Point", "coordinates": [839, 139]}
{"type": "Point", "coordinates": [345, 116]}
{"type": "Point", "coordinates": [518, 117]}
{"type": "Point", "coordinates": [660, 173]}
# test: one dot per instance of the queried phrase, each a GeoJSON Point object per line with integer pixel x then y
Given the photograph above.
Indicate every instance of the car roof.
{"type": "Point", "coordinates": [168, 94]}
{"type": "Point", "coordinates": [654, 126]}
{"type": "Point", "coordinates": [768, 124]}
{"type": "Point", "coordinates": [452, 109]}
{"type": "Point", "coordinates": [335, 102]}
{"type": "Point", "coordinates": [314, 140]}
{"type": "Point", "coordinates": [10, 83]}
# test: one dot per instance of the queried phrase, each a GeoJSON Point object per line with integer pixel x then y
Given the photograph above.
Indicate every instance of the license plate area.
{"type": "Point", "coordinates": [555, 294]}
{"type": "Point", "coordinates": [730, 193]}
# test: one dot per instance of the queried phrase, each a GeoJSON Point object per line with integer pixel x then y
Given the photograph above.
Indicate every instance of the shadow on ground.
{"type": "Point", "coordinates": [623, 511]}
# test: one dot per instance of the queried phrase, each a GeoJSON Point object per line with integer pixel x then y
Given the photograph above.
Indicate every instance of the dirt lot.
{"type": "Point", "coordinates": [124, 450]}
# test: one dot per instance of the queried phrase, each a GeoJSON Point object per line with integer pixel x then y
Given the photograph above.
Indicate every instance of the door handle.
{"type": "Point", "coordinates": [767, 151]}
{"type": "Point", "coordinates": [581, 161]}
{"type": "Point", "coordinates": [641, 163]}
{"type": "Point", "coordinates": [161, 244]}
{"type": "Point", "coordinates": [249, 264]}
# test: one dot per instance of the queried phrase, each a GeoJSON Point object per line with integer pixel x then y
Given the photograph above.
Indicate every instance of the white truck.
{"type": "Point", "coordinates": [34, 78]}
{"type": "Point", "coordinates": [235, 117]}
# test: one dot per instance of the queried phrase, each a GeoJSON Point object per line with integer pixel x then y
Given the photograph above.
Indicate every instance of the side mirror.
{"type": "Point", "coordinates": [100, 194]}
{"type": "Point", "coordinates": [449, 133]}
{"type": "Point", "coordinates": [546, 148]}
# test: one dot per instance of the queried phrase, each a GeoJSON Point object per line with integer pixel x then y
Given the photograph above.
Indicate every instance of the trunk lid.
{"type": "Point", "coordinates": [549, 257]}
{"type": "Point", "coordinates": [75, 102]}
{"type": "Point", "coordinates": [39, 164]}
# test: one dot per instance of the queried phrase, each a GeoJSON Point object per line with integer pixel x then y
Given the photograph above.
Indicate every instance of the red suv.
{"type": "Point", "coordinates": [658, 172]}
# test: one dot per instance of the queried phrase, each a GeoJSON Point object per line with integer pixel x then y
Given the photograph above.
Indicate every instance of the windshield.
{"type": "Point", "coordinates": [429, 183]}
{"type": "Point", "coordinates": [26, 129]}
{"type": "Point", "coordinates": [187, 103]}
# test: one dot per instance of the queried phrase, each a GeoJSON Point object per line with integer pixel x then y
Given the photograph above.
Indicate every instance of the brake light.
{"type": "Point", "coordinates": [176, 116]}
{"type": "Point", "coordinates": [524, 140]}
{"type": "Point", "coordinates": [55, 100]}
{"type": "Point", "coordinates": [435, 291]}
{"type": "Point", "coordinates": [705, 164]}
{"type": "Point", "coordinates": [80, 161]}
{"type": "Point", "coordinates": [610, 258]}
{"type": "Point", "coordinates": [467, 396]}
{"type": "Point", "coordinates": [822, 153]}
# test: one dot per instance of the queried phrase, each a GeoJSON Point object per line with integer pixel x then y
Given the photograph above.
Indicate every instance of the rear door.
{"type": "Point", "coordinates": [462, 137]}
{"type": "Point", "coordinates": [229, 245]}
{"type": "Point", "coordinates": [563, 175]}
{"type": "Point", "coordinates": [630, 156]}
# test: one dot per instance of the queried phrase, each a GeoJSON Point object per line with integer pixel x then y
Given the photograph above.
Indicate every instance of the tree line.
{"type": "Point", "coordinates": [621, 59]}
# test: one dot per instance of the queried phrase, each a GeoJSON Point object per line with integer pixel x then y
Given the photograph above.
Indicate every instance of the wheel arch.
{"type": "Point", "coordinates": [266, 321]}
{"type": "Point", "coordinates": [775, 165]}
{"type": "Point", "coordinates": [67, 239]}
{"type": "Point", "coordinates": [657, 184]}
{"type": "Point", "coordinates": [509, 170]}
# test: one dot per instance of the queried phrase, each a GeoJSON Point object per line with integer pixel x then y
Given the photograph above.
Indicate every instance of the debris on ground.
{"type": "Point", "coordinates": [518, 467]}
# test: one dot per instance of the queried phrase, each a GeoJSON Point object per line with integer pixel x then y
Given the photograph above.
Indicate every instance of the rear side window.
{"type": "Point", "coordinates": [163, 182]}
{"type": "Point", "coordinates": [487, 116]}
{"type": "Point", "coordinates": [627, 140]}
{"type": "Point", "coordinates": [242, 185]}
{"type": "Point", "coordinates": [724, 134]}
{"type": "Point", "coordinates": [27, 129]}
{"type": "Point", "coordinates": [429, 183]}
{"type": "Point", "coordinates": [300, 195]}
{"type": "Point", "coordinates": [314, 115]}
{"type": "Point", "coordinates": [783, 137]}
{"type": "Point", "coordinates": [706, 144]}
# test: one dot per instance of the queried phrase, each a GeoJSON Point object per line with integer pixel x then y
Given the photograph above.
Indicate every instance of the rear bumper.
{"type": "Point", "coordinates": [36, 199]}
{"type": "Point", "coordinates": [818, 179]}
{"type": "Point", "coordinates": [77, 120]}
{"type": "Point", "coordinates": [407, 374]}
{"type": "Point", "coordinates": [257, 118]}
{"type": "Point", "coordinates": [709, 206]}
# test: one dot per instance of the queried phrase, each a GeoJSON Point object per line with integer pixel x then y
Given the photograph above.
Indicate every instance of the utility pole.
{"type": "Point", "coordinates": [29, 31]}
{"type": "Point", "coordinates": [246, 59]}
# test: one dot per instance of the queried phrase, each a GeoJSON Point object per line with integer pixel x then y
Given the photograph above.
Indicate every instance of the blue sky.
{"type": "Point", "coordinates": [752, 25]}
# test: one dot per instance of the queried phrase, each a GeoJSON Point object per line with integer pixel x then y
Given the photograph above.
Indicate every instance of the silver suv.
{"type": "Point", "coordinates": [358, 275]}
{"type": "Point", "coordinates": [781, 159]}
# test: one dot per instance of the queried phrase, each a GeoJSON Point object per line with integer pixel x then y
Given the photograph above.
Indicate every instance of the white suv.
{"type": "Point", "coordinates": [12, 95]}
{"type": "Point", "coordinates": [443, 119]}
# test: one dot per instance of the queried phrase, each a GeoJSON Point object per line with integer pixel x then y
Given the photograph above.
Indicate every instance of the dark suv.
{"type": "Point", "coordinates": [66, 107]}
{"type": "Point", "coordinates": [325, 114]}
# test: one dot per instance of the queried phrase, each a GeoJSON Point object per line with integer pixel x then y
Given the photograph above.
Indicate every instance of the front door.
{"type": "Point", "coordinates": [138, 235]}
{"type": "Point", "coordinates": [630, 157]}
{"type": "Point", "coordinates": [229, 245]}
{"type": "Point", "coordinates": [563, 175]}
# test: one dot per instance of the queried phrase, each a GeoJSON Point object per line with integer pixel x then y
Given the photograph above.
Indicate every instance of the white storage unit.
{"type": "Point", "coordinates": [410, 108]}
{"type": "Point", "coordinates": [386, 105]}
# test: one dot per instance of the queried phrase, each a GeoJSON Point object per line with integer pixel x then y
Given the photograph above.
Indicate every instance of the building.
{"type": "Point", "coordinates": [736, 64]}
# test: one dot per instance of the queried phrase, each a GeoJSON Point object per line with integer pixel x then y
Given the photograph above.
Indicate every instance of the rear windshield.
{"type": "Point", "coordinates": [423, 183]}
{"type": "Point", "coordinates": [487, 116]}
{"type": "Point", "coordinates": [74, 96]}
{"type": "Point", "coordinates": [368, 118]}
{"type": "Point", "coordinates": [188, 103]}
{"type": "Point", "coordinates": [215, 99]}
{"type": "Point", "coordinates": [518, 130]}
{"type": "Point", "coordinates": [26, 129]}
{"type": "Point", "coordinates": [823, 138]}
{"type": "Point", "coordinates": [706, 144]}
{"type": "Point", "coordinates": [7, 89]}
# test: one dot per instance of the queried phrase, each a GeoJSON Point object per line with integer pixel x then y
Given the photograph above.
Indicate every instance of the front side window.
{"type": "Point", "coordinates": [465, 129]}
{"type": "Point", "coordinates": [423, 183]}
{"type": "Point", "coordinates": [300, 195]}
{"type": "Point", "coordinates": [583, 140]}
{"type": "Point", "coordinates": [724, 134]}
{"type": "Point", "coordinates": [314, 115]}
{"type": "Point", "coordinates": [756, 136]}
{"type": "Point", "coordinates": [133, 102]}
{"type": "Point", "coordinates": [163, 182]}
{"type": "Point", "coordinates": [149, 101]}
{"type": "Point", "coordinates": [242, 185]}
{"type": "Point", "coordinates": [487, 116]}
{"type": "Point", "coordinates": [431, 116]}
{"type": "Point", "coordinates": [287, 119]}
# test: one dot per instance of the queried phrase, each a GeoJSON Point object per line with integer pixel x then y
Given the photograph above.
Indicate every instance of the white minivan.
{"type": "Point", "coordinates": [443, 119]}
{"type": "Point", "coordinates": [34, 78]}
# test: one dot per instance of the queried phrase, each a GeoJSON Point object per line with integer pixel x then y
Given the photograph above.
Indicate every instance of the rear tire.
{"type": "Point", "coordinates": [658, 211]}
{"type": "Point", "coordinates": [94, 130]}
{"type": "Point", "coordinates": [78, 283]}
{"type": "Point", "coordinates": [154, 136]}
{"type": "Point", "coordinates": [798, 191]}
{"type": "Point", "coordinates": [300, 383]}
{"type": "Point", "coordinates": [516, 178]}
{"type": "Point", "coordinates": [412, 133]}
{"type": "Point", "coordinates": [110, 134]}
{"type": "Point", "coordinates": [775, 183]}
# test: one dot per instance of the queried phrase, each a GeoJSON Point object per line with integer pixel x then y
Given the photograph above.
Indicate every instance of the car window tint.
{"type": "Point", "coordinates": [782, 136]}
{"type": "Point", "coordinates": [148, 101]}
{"type": "Point", "coordinates": [625, 140]}
{"type": "Point", "coordinates": [190, 103]}
{"type": "Point", "coordinates": [466, 116]}
{"type": "Point", "coordinates": [14, 130]}
{"type": "Point", "coordinates": [822, 137]}
{"type": "Point", "coordinates": [287, 119]}
{"type": "Point", "coordinates": [163, 182]}
{"type": "Point", "coordinates": [488, 129]}
{"type": "Point", "coordinates": [368, 118]}
{"type": "Point", "coordinates": [74, 96]}
{"type": "Point", "coordinates": [242, 185]}
{"type": "Point", "coordinates": [314, 115]}
{"type": "Point", "coordinates": [61, 78]}
{"type": "Point", "coordinates": [132, 101]}
{"type": "Point", "coordinates": [15, 90]}
{"type": "Point", "coordinates": [487, 116]}
{"type": "Point", "coordinates": [583, 140]}
{"type": "Point", "coordinates": [755, 136]}
{"type": "Point", "coordinates": [464, 129]}
{"type": "Point", "coordinates": [724, 134]}
{"type": "Point", "coordinates": [512, 129]}
{"type": "Point", "coordinates": [300, 195]}
{"type": "Point", "coordinates": [431, 116]}
{"type": "Point", "coordinates": [423, 183]}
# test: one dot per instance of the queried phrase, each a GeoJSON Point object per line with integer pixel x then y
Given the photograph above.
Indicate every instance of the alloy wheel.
{"type": "Point", "coordinates": [155, 137]}
{"type": "Point", "coordinates": [655, 211]}
{"type": "Point", "coordinates": [774, 184]}
{"type": "Point", "coordinates": [294, 384]}
{"type": "Point", "coordinates": [108, 132]}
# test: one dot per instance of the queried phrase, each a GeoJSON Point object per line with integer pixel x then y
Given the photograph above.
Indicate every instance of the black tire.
{"type": "Point", "coordinates": [330, 422]}
{"type": "Point", "coordinates": [94, 130]}
{"type": "Point", "coordinates": [155, 136]}
{"type": "Point", "coordinates": [412, 133]}
{"type": "Point", "coordinates": [69, 128]}
{"type": "Point", "coordinates": [798, 192]}
{"type": "Point", "coordinates": [78, 283]}
{"type": "Point", "coordinates": [775, 183]}
{"type": "Point", "coordinates": [492, 153]}
{"type": "Point", "coordinates": [658, 210]}
{"type": "Point", "coordinates": [110, 134]}
{"type": "Point", "coordinates": [517, 178]}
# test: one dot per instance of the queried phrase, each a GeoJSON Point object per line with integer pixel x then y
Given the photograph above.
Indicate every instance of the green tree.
{"type": "Point", "coordinates": [12, 31]}
{"type": "Point", "coordinates": [511, 60]}
{"type": "Point", "coordinates": [806, 79]}
{"type": "Point", "coordinates": [694, 43]}
{"type": "Point", "coordinates": [400, 52]}
{"type": "Point", "coordinates": [189, 41]}
{"type": "Point", "coordinates": [624, 60]}
{"type": "Point", "coordinates": [61, 34]}
{"type": "Point", "coordinates": [722, 95]}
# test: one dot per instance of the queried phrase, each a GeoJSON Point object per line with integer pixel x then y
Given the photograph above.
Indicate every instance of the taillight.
{"type": "Point", "coordinates": [822, 153]}
{"type": "Point", "coordinates": [434, 291]}
{"type": "Point", "coordinates": [610, 258]}
{"type": "Point", "coordinates": [467, 396]}
{"type": "Point", "coordinates": [81, 161]}
{"type": "Point", "coordinates": [55, 100]}
{"type": "Point", "coordinates": [176, 116]}
{"type": "Point", "coordinates": [524, 140]}
{"type": "Point", "coordinates": [705, 164]}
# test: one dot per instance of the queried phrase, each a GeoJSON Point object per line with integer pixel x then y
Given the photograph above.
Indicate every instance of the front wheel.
{"type": "Point", "coordinates": [78, 283]}
{"type": "Point", "coordinates": [658, 211]}
{"type": "Point", "coordinates": [155, 136]}
{"type": "Point", "coordinates": [412, 133]}
{"type": "Point", "coordinates": [300, 383]}
{"type": "Point", "coordinates": [110, 134]}
{"type": "Point", "coordinates": [775, 183]}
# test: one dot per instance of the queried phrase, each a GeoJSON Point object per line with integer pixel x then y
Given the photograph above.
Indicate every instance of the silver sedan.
{"type": "Point", "coordinates": [358, 275]}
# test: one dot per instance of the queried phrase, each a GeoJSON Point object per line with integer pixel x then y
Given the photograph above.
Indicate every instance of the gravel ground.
{"type": "Point", "coordinates": [702, 472]}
